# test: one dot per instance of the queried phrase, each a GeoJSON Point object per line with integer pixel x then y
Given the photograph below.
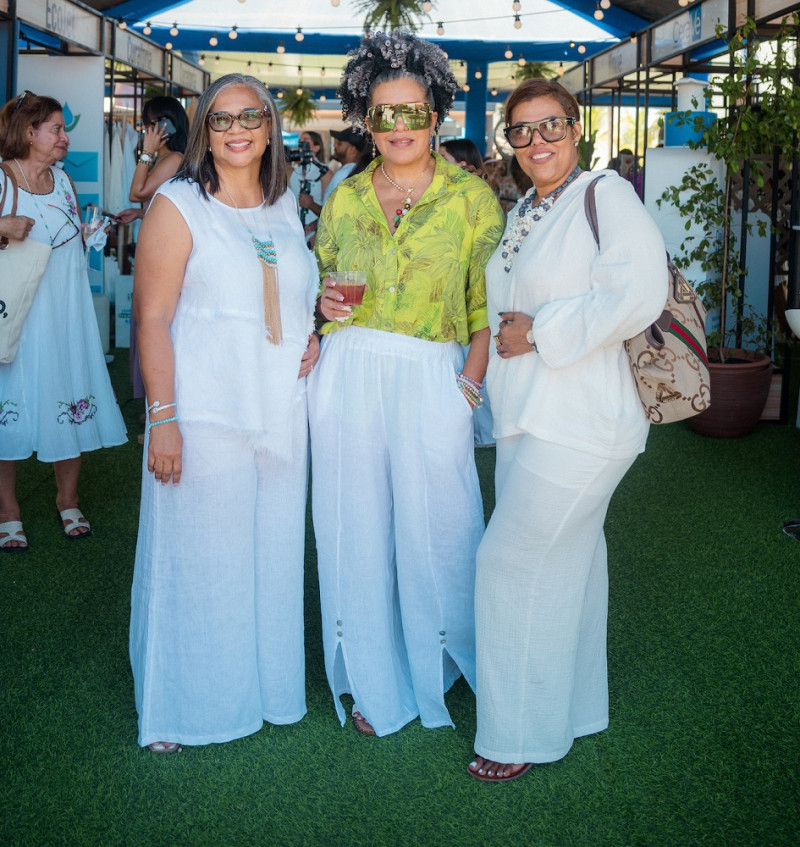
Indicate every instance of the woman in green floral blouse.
{"type": "Point", "coordinates": [397, 507]}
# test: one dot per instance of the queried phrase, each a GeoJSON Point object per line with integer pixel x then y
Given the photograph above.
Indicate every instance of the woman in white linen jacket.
{"type": "Point", "coordinates": [569, 424]}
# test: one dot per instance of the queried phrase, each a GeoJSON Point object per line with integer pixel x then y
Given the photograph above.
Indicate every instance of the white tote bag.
{"type": "Point", "coordinates": [22, 265]}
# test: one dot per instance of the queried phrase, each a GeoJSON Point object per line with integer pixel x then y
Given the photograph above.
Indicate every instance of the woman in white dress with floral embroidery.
{"type": "Point", "coordinates": [56, 398]}
{"type": "Point", "coordinates": [224, 298]}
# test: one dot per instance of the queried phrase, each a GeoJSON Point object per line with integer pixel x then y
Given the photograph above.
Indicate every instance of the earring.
{"type": "Point", "coordinates": [268, 141]}
{"type": "Point", "coordinates": [577, 143]}
{"type": "Point", "coordinates": [374, 149]}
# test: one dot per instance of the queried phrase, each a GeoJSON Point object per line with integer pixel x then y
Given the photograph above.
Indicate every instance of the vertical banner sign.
{"type": "Point", "coordinates": [77, 82]}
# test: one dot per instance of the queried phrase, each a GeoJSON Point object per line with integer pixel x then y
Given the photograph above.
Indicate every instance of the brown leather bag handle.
{"type": "Point", "coordinates": [8, 175]}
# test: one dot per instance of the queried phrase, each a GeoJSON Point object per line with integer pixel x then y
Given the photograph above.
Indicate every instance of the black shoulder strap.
{"type": "Point", "coordinates": [590, 207]}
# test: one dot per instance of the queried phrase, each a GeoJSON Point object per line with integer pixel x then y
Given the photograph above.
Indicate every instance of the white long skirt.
{"type": "Point", "coordinates": [216, 638]}
{"type": "Point", "coordinates": [541, 602]}
{"type": "Point", "coordinates": [398, 518]}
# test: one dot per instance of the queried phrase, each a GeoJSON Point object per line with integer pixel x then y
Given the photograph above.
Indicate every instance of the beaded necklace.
{"type": "Point", "coordinates": [528, 213]}
{"type": "Point", "coordinates": [268, 257]}
{"type": "Point", "coordinates": [403, 211]}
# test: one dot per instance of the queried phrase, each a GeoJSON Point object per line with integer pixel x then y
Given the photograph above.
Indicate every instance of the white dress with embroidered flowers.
{"type": "Point", "coordinates": [56, 398]}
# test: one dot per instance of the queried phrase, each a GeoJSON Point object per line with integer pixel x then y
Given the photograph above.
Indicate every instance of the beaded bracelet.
{"type": "Point", "coordinates": [468, 390]}
{"type": "Point", "coordinates": [151, 424]}
{"type": "Point", "coordinates": [473, 382]}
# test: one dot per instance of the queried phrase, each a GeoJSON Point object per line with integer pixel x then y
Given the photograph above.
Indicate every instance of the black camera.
{"type": "Point", "coordinates": [301, 154]}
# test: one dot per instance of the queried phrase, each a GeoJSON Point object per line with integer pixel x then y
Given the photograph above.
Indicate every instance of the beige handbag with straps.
{"type": "Point", "coordinates": [22, 265]}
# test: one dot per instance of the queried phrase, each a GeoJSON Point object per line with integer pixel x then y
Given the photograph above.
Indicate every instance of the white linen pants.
{"type": "Point", "coordinates": [398, 517]}
{"type": "Point", "coordinates": [541, 601]}
{"type": "Point", "coordinates": [216, 638]}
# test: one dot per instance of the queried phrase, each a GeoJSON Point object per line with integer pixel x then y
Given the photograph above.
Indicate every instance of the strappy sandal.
{"type": "Point", "coordinates": [165, 747]}
{"type": "Point", "coordinates": [14, 533]}
{"type": "Point", "coordinates": [70, 519]}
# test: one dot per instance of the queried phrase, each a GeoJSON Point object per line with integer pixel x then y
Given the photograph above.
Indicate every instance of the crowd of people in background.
{"type": "Point", "coordinates": [252, 360]}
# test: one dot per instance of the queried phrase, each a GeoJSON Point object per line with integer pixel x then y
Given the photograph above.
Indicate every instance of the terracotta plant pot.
{"type": "Point", "coordinates": [739, 390]}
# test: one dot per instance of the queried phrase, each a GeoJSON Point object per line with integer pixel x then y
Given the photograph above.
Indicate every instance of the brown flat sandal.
{"type": "Point", "coordinates": [362, 724]}
{"type": "Point", "coordinates": [485, 774]}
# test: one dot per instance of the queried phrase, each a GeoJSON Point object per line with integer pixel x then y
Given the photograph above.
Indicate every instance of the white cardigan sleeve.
{"type": "Point", "coordinates": [627, 287]}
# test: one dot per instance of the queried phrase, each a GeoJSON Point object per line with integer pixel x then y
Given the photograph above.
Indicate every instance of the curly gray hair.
{"type": "Point", "coordinates": [384, 57]}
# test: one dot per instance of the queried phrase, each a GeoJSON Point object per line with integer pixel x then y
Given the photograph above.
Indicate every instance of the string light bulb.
{"type": "Point", "coordinates": [509, 54]}
{"type": "Point", "coordinates": [280, 48]}
{"type": "Point", "coordinates": [298, 36]}
{"type": "Point", "coordinates": [598, 12]}
{"type": "Point", "coordinates": [427, 6]}
{"type": "Point", "coordinates": [322, 97]}
{"type": "Point", "coordinates": [465, 86]}
{"type": "Point", "coordinates": [334, 3]}
{"type": "Point", "coordinates": [234, 33]}
{"type": "Point", "coordinates": [168, 46]}
{"type": "Point", "coordinates": [249, 66]}
{"type": "Point", "coordinates": [516, 5]}
{"type": "Point", "coordinates": [478, 75]}
{"type": "Point", "coordinates": [581, 48]}
{"type": "Point", "coordinates": [605, 4]}
{"type": "Point", "coordinates": [121, 24]}
{"type": "Point", "coordinates": [298, 91]}
{"type": "Point", "coordinates": [213, 41]}
{"type": "Point", "coordinates": [174, 30]}
{"type": "Point", "coordinates": [216, 60]}
{"type": "Point", "coordinates": [202, 60]}
{"type": "Point", "coordinates": [279, 95]}
{"type": "Point", "coordinates": [322, 71]}
{"type": "Point", "coordinates": [299, 70]}
{"type": "Point", "coordinates": [521, 61]}
{"type": "Point", "coordinates": [269, 67]}
{"type": "Point", "coordinates": [493, 92]}
{"type": "Point", "coordinates": [440, 28]}
{"type": "Point", "coordinates": [147, 29]}
{"type": "Point", "coordinates": [517, 22]}
{"type": "Point", "coordinates": [561, 69]}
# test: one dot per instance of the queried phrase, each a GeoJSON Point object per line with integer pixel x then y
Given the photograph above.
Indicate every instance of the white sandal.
{"type": "Point", "coordinates": [14, 533]}
{"type": "Point", "coordinates": [70, 519]}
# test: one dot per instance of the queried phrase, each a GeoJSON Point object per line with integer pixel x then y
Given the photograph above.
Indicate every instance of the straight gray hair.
{"type": "Point", "coordinates": [198, 163]}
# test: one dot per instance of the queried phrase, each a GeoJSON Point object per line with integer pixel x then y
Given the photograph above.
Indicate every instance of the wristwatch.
{"type": "Point", "coordinates": [146, 158]}
{"type": "Point", "coordinates": [531, 340]}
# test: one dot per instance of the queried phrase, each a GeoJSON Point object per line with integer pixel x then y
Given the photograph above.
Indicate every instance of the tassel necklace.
{"type": "Point", "coordinates": [265, 251]}
{"type": "Point", "coordinates": [403, 211]}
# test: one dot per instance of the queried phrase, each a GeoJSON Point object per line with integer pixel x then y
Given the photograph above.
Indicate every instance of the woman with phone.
{"type": "Point", "coordinates": [165, 129]}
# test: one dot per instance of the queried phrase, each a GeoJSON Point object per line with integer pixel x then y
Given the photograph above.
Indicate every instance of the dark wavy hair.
{"type": "Point", "coordinates": [28, 109]}
{"type": "Point", "coordinates": [158, 109]}
{"type": "Point", "coordinates": [384, 57]}
{"type": "Point", "coordinates": [198, 163]}
{"type": "Point", "coordinates": [464, 150]}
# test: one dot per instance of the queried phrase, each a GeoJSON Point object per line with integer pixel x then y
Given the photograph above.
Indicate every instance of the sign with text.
{"type": "Point", "coordinates": [64, 19]}
{"type": "Point", "coordinates": [694, 27]}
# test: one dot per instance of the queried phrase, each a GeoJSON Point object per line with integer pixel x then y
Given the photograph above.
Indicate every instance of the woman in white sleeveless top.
{"type": "Point", "coordinates": [225, 292]}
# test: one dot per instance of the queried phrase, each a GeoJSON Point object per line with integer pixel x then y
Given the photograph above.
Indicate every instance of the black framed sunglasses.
{"type": "Point", "coordinates": [248, 119]}
{"type": "Point", "coordinates": [551, 129]}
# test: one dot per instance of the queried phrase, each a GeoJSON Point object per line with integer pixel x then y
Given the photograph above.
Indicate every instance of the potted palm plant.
{"type": "Point", "coordinates": [763, 120]}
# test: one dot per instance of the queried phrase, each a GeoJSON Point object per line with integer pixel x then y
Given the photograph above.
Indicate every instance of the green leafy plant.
{"type": "Point", "coordinates": [299, 106]}
{"type": "Point", "coordinates": [763, 118]}
{"type": "Point", "coordinates": [535, 70]}
{"type": "Point", "coordinates": [388, 15]}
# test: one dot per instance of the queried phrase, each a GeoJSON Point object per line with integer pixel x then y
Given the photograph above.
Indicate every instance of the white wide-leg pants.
{"type": "Point", "coordinates": [216, 639]}
{"type": "Point", "coordinates": [541, 602]}
{"type": "Point", "coordinates": [398, 517]}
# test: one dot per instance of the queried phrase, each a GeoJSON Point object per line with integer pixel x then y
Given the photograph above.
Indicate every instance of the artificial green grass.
{"type": "Point", "coordinates": [703, 746]}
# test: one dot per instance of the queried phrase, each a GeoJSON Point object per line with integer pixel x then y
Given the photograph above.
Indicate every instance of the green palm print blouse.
{"type": "Point", "coordinates": [428, 279]}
